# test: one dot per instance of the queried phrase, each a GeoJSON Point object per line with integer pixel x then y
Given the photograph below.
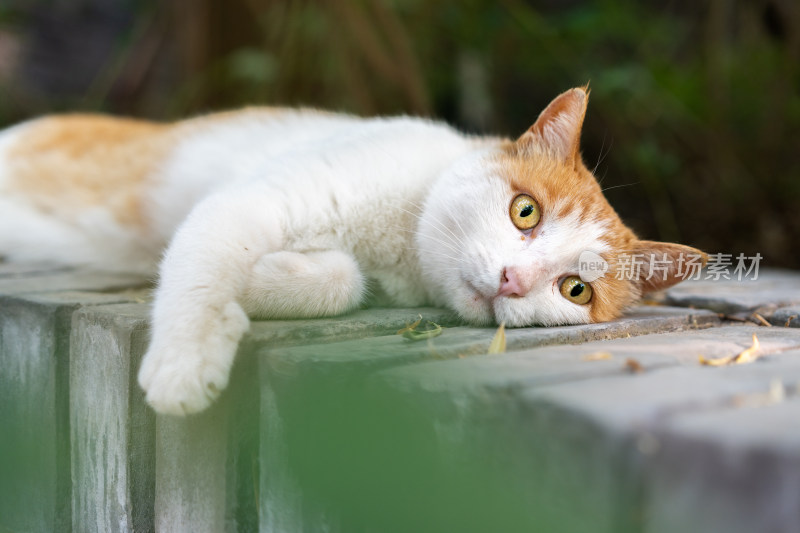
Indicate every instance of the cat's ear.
{"type": "Point", "coordinates": [655, 266]}
{"type": "Point", "coordinates": [558, 128]}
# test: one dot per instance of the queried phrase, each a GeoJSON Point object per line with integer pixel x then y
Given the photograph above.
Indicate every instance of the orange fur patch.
{"type": "Point", "coordinates": [66, 164]}
{"type": "Point", "coordinates": [551, 182]}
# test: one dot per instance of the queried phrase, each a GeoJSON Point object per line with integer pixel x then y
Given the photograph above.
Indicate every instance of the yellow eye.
{"type": "Point", "coordinates": [525, 212]}
{"type": "Point", "coordinates": [576, 291]}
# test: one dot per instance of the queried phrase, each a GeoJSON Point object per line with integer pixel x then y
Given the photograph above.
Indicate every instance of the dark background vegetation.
{"type": "Point", "coordinates": [694, 119]}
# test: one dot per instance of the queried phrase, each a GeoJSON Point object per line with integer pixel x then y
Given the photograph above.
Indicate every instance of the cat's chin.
{"type": "Point", "coordinates": [533, 312]}
{"type": "Point", "coordinates": [512, 319]}
{"type": "Point", "coordinates": [475, 319]}
{"type": "Point", "coordinates": [481, 312]}
{"type": "Point", "coordinates": [472, 306]}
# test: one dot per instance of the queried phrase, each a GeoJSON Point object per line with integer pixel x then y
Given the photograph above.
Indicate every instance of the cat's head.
{"type": "Point", "coordinates": [521, 233]}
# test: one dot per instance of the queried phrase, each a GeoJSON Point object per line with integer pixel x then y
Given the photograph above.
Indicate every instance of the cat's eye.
{"type": "Point", "coordinates": [576, 290]}
{"type": "Point", "coordinates": [524, 212]}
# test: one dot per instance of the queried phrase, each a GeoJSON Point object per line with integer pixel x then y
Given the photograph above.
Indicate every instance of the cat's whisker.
{"type": "Point", "coordinates": [421, 219]}
{"type": "Point", "coordinates": [434, 252]}
{"type": "Point", "coordinates": [458, 239]}
{"type": "Point", "coordinates": [439, 226]}
{"type": "Point", "coordinates": [441, 251]}
{"type": "Point", "coordinates": [453, 244]}
{"type": "Point", "coordinates": [617, 186]}
{"type": "Point", "coordinates": [454, 241]}
{"type": "Point", "coordinates": [602, 156]}
{"type": "Point", "coordinates": [603, 177]}
{"type": "Point", "coordinates": [434, 238]}
{"type": "Point", "coordinates": [459, 227]}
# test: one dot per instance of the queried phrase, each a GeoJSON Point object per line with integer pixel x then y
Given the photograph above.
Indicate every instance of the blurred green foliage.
{"type": "Point", "coordinates": [693, 124]}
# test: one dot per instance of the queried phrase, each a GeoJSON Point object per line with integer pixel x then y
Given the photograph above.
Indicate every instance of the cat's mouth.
{"type": "Point", "coordinates": [486, 305]}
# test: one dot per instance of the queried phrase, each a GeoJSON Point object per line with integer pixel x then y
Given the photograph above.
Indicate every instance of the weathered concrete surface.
{"type": "Point", "coordinates": [330, 443]}
{"type": "Point", "coordinates": [112, 431]}
{"type": "Point", "coordinates": [715, 448]}
{"type": "Point", "coordinates": [728, 469]}
{"type": "Point", "coordinates": [597, 359]}
{"type": "Point", "coordinates": [773, 288]}
{"type": "Point", "coordinates": [552, 436]}
{"type": "Point", "coordinates": [34, 375]}
{"type": "Point", "coordinates": [70, 280]}
{"type": "Point", "coordinates": [190, 472]}
{"type": "Point", "coordinates": [461, 341]}
{"type": "Point", "coordinates": [365, 323]}
{"type": "Point", "coordinates": [223, 493]}
{"type": "Point", "coordinates": [340, 425]}
{"type": "Point", "coordinates": [24, 270]}
{"type": "Point", "coordinates": [788, 316]}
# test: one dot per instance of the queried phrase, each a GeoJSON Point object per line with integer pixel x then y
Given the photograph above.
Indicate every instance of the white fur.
{"type": "Point", "coordinates": [467, 239]}
{"type": "Point", "coordinates": [334, 200]}
{"type": "Point", "coordinates": [287, 215]}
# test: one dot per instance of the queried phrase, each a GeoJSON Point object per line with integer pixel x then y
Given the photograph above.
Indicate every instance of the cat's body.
{"type": "Point", "coordinates": [146, 178]}
{"type": "Point", "coordinates": [282, 213]}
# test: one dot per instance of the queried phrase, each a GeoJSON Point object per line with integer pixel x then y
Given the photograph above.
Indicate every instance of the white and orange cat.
{"type": "Point", "coordinates": [287, 213]}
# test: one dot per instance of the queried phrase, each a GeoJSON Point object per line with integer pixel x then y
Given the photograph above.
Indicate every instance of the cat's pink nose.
{"type": "Point", "coordinates": [511, 283]}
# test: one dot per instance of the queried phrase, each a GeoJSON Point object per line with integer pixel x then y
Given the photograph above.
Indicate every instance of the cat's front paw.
{"type": "Point", "coordinates": [184, 374]}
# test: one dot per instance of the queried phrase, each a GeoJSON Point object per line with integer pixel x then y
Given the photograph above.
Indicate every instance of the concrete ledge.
{"type": "Point", "coordinates": [224, 494]}
{"type": "Point", "coordinates": [34, 399]}
{"type": "Point", "coordinates": [612, 450]}
{"type": "Point", "coordinates": [112, 431]}
{"type": "Point", "coordinates": [341, 425]}
{"type": "Point", "coordinates": [344, 449]}
{"type": "Point", "coordinates": [773, 288]}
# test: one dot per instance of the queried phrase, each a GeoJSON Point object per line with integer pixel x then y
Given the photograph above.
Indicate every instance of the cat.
{"type": "Point", "coordinates": [288, 213]}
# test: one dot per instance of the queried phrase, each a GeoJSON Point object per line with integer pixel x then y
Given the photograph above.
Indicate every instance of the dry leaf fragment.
{"type": "Point", "coordinates": [750, 354]}
{"type": "Point", "coordinates": [412, 333]}
{"type": "Point", "coordinates": [410, 327]}
{"type": "Point", "coordinates": [762, 320]}
{"type": "Point", "coordinates": [745, 356]}
{"type": "Point", "coordinates": [420, 335]}
{"type": "Point", "coordinates": [633, 366]}
{"type": "Point", "coordinates": [498, 344]}
{"type": "Point", "coordinates": [717, 361]}
{"type": "Point", "coordinates": [597, 356]}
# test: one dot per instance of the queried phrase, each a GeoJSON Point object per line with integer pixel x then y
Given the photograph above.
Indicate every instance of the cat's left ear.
{"type": "Point", "coordinates": [660, 265]}
{"type": "Point", "coordinates": [558, 128]}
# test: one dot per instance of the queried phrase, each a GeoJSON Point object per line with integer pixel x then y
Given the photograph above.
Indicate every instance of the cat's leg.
{"type": "Point", "coordinates": [197, 321]}
{"type": "Point", "coordinates": [303, 285]}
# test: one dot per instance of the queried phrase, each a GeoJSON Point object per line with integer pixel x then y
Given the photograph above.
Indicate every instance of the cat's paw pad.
{"type": "Point", "coordinates": [181, 377]}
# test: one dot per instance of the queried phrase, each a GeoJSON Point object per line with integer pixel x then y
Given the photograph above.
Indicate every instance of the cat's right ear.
{"type": "Point", "coordinates": [558, 128]}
